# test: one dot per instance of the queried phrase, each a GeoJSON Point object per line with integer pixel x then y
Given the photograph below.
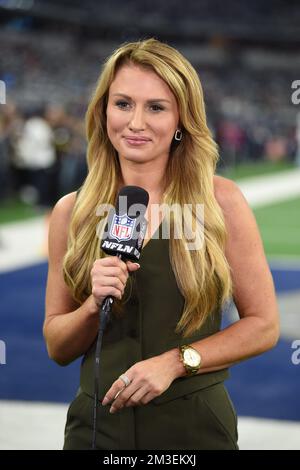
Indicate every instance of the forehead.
{"type": "Point", "coordinates": [132, 79]}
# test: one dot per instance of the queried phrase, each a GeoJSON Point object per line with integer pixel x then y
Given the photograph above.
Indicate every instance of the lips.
{"type": "Point", "coordinates": [136, 140]}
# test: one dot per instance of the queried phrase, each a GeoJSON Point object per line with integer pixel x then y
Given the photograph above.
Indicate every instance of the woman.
{"type": "Point", "coordinates": [146, 126]}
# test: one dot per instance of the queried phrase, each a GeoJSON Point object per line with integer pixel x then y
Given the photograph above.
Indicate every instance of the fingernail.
{"type": "Point", "coordinates": [112, 410]}
{"type": "Point", "coordinates": [105, 401]}
{"type": "Point", "coordinates": [137, 264]}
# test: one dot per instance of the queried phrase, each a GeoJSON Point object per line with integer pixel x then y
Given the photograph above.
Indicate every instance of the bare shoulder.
{"type": "Point", "coordinates": [62, 211]}
{"type": "Point", "coordinates": [64, 206]}
{"type": "Point", "coordinates": [59, 225]}
{"type": "Point", "coordinates": [228, 194]}
{"type": "Point", "coordinates": [239, 218]}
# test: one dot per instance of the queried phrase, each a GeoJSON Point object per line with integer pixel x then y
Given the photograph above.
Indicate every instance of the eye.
{"type": "Point", "coordinates": [122, 104]}
{"type": "Point", "coordinates": [156, 107]}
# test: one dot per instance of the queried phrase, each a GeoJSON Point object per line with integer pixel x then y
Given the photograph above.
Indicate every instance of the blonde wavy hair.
{"type": "Point", "coordinates": [204, 278]}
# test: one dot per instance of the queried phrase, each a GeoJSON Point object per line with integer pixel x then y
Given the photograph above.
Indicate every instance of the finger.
{"type": "Point", "coordinates": [131, 396]}
{"type": "Point", "coordinates": [118, 393]}
{"type": "Point", "coordinates": [137, 398]}
{"type": "Point", "coordinates": [147, 398]}
{"type": "Point", "coordinates": [114, 389]}
{"type": "Point", "coordinates": [114, 261]}
{"type": "Point", "coordinates": [112, 271]}
{"type": "Point", "coordinates": [100, 292]}
{"type": "Point", "coordinates": [132, 266]}
{"type": "Point", "coordinates": [113, 282]}
{"type": "Point", "coordinates": [121, 399]}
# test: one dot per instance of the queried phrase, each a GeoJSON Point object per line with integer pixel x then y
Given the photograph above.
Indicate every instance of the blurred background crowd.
{"type": "Point", "coordinates": [246, 54]}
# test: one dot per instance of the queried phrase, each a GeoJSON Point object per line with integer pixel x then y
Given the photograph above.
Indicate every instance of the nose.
{"type": "Point", "coordinates": [137, 122]}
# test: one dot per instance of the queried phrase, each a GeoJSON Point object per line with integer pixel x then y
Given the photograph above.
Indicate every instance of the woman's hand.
{"type": "Point", "coordinates": [109, 276]}
{"type": "Point", "coordinates": [149, 379]}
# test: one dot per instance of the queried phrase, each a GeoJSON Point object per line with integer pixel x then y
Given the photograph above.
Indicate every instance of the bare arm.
{"type": "Point", "coordinates": [253, 291]}
{"type": "Point", "coordinates": [70, 329]}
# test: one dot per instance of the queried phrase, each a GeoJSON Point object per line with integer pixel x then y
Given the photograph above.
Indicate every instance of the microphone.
{"type": "Point", "coordinates": [125, 230]}
{"type": "Point", "coordinates": [126, 226]}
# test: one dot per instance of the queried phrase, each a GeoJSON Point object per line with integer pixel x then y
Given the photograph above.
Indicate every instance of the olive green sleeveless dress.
{"type": "Point", "coordinates": [193, 413]}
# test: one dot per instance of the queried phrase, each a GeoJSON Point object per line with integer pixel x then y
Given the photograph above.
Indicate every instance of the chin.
{"type": "Point", "coordinates": [135, 155]}
{"type": "Point", "coordinates": [135, 158]}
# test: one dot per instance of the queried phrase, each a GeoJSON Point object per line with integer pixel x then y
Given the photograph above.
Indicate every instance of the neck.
{"type": "Point", "coordinates": [149, 176]}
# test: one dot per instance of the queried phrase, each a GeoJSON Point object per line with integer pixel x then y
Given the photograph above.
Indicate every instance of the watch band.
{"type": "Point", "coordinates": [190, 370]}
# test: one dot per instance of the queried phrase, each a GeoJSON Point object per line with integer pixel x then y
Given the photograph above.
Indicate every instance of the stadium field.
{"type": "Point", "coordinates": [251, 169]}
{"type": "Point", "coordinates": [14, 210]}
{"type": "Point", "coordinates": [279, 226]}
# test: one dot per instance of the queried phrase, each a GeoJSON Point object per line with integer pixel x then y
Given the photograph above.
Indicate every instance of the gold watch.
{"type": "Point", "coordinates": [191, 359]}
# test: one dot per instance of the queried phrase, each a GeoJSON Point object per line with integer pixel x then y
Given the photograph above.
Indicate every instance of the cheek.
{"type": "Point", "coordinates": [114, 122]}
{"type": "Point", "coordinates": [166, 130]}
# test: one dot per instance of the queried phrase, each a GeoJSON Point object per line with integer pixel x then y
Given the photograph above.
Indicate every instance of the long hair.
{"type": "Point", "coordinates": [204, 278]}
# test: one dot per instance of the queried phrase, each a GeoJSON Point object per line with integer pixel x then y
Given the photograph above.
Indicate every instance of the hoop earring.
{"type": "Point", "coordinates": [178, 135]}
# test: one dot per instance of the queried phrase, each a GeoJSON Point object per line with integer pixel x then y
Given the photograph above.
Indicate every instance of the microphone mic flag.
{"type": "Point", "coordinates": [126, 226]}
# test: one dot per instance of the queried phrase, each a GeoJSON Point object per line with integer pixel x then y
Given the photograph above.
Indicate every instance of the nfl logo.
{"type": "Point", "coordinates": [122, 227]}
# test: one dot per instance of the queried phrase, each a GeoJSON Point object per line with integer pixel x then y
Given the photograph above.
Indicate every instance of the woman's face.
{"type": "Point", "coordinates": [142, 115]}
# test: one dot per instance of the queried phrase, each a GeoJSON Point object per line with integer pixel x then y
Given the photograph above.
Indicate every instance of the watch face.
{"type": "Point", "coordinates": [191, 357]}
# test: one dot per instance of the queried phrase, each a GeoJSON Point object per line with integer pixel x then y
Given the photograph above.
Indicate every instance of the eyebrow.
{"type": "Point", "coordinates": [148, 101]}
